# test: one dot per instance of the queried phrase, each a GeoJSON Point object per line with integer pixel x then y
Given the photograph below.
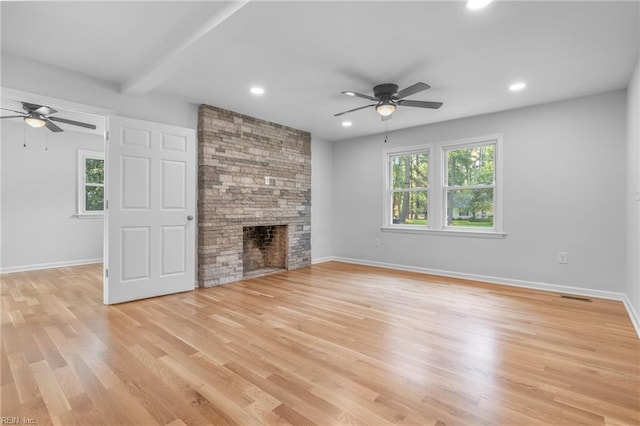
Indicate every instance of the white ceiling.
{"type": "Point", "coordinates": [305, 53]}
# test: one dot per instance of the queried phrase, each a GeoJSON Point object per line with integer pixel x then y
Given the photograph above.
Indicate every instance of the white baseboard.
{"type": "Point", "coordinates": [635, 319]}
{"type": "Point", "coordinates": [611, 295]}
{"type": "Point", "coordinates": [24, 268]}
{"type": "Point", "coordinates": [322, 259]}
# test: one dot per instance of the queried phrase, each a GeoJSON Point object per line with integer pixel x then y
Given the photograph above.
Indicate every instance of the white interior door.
{"type": "Point", "coordinates": [150, 236]}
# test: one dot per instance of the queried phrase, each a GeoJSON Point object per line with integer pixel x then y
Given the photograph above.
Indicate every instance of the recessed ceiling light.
{"type": "Point", "coordinates": [477, 4]}
{"type": "Point", "coordinates": [257, 90]}
{"type": "Point", "coordinates": [517, 86]}
{"type": "Point", "coordinates": [346, 124]}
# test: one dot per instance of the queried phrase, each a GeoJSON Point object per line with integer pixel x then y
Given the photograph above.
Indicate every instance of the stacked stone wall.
{"type": "Point", "coordinates": [251, 172]}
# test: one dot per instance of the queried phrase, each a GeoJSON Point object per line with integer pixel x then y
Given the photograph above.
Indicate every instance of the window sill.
{"type": "Point", "coordinates": [444, 232]}
{"type": "Point", "coordinates": [89, 215]}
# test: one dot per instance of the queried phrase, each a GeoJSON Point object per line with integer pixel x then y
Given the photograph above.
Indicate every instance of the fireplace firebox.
{"type": "Point", "coordinates": [264, 249]}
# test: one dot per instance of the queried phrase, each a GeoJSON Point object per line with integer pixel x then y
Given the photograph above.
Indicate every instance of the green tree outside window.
{"type": "Point", "coordinates": [94, 184]}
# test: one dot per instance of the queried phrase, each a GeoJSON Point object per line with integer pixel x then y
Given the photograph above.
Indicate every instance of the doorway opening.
{"type": "Point", "coordinates": [53, 186]}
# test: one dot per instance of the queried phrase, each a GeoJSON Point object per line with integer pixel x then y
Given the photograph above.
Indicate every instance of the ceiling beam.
{"type": "Point", "coordinates": [159, 69]}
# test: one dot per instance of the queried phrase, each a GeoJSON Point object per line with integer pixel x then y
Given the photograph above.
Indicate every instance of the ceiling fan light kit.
{"type": "Point", "coordinates": [40, 116]}
{"type": "Point", "coordinates": [385, 108]}
{"type": "Point", "coordinates": [36, 122]}
{"type": "Point", "coordinates": [388, 98]}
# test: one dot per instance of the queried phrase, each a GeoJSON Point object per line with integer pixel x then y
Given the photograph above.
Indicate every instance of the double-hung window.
{"type": "Point", "coordinates": [409, 192]}
{"type": "Point", "coordinates": [469, 186]}
{"type": "Point", "coordinates": [446, 187]}
{"type": "Point", "coordinates": [90, 183]}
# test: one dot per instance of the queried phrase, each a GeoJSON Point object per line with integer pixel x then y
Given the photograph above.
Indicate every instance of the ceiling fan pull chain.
{"type": "Point", "coordinates": [46, 142]}
{"type": "Point", "coordinates": [386, 131]}
{"type": "Point", "coordinates": [24, 136]}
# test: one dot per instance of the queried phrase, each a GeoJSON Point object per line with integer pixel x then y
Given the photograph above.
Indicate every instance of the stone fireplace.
{"type": "Point", "coordinates": [251, 174]}
{"type": "Point", "coordinates": [264, 249]}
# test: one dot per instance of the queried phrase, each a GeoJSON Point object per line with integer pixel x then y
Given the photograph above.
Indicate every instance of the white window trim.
{"type": "Point", "coordinates": [82, 156]}
{"type": "Point", "coordinates": [437, 193]}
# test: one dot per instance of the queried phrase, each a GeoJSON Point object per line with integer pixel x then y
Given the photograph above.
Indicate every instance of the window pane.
{"type": "Point", "coordinates": [470, 207]}
{"type": "Point", "coordinates": [94, 169]}
{"type": "Point", "coordinates": [470, 166]}
{"type": "Point", "coordinates": [94, 196]}
{"type": "Point", "coordinates": [410, 207]}
{"type": "Point", "coordinates": [410, 171]}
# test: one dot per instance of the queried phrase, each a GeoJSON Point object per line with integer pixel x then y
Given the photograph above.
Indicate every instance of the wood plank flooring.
{"type": "Point", "coordinates": [330, 344]}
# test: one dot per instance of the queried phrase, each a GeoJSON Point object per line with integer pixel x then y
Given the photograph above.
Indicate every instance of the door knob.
{"type": "Point", "coordinates": [189, 217]}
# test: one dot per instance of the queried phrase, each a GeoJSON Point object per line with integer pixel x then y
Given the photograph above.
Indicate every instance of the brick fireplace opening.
{"type": "Point", "coordinates": [264, 250]}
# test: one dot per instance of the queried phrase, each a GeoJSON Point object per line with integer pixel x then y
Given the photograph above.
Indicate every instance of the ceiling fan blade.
{"type": "Point", "coordinates": [13, 110]}
{"type": "Point", "coordinates": [40, 109]}
{"type": "Point", "coordinates": [12, 116]}
{"type": "Point", "coordinates": [72, 122]}
{"type": "Point", "coordinates": [352, 110]}
{"type": "Point", "coordinates": [411, 90]}
{"type": "Point", "coordinates": [51, 126]}
{"type": "Point", "coordinates": [360, 95]}
{"type": "Point", "coordinates": [420, 104]}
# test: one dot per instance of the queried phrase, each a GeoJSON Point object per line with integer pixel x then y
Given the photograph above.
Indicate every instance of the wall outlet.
{"type": "Point", "coordinates": [563, 257]}
{"type": "Point", "coordinates": [376, 242]}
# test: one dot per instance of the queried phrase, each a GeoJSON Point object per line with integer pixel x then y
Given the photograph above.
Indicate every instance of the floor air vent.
{"type": "Point", "coordinates": [568, 296]}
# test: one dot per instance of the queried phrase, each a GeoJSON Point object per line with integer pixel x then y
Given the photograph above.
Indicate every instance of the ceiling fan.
{"type": "Point", "coordinates": [387, 97]}
{"type": "Point", "coordinates": [40, 116]}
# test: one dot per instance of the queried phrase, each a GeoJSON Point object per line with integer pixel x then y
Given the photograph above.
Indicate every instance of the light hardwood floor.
{"type": "Point", "coordinates": [329, 344]}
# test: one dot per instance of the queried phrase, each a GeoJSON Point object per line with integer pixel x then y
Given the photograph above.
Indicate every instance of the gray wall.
{"type": "Point", "coordinates": [321, 199]}
{"type": "Point", "coordinates": [39, 190]}
{"type": "Point", "coordinates": [563, 191]}
{"type": "Point", "coordinates": [633, 194]}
